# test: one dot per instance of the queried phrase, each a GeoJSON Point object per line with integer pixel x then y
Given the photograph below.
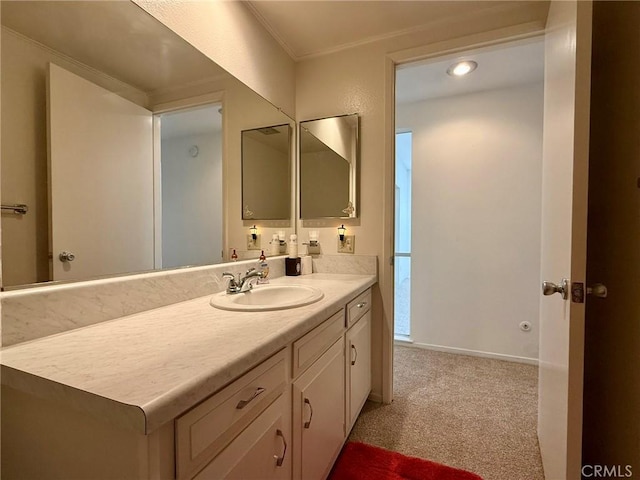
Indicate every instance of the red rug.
{"type": "Point", "coordinates": [359, 461]}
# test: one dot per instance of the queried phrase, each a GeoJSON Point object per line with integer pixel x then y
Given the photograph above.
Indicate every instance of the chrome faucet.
{"type": "Point", "coordinates": [242, 284]}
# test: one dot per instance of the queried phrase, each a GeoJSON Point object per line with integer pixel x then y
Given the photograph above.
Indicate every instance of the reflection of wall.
{"type": "Point", "coordinates": [239, 100]}
{"type": "Point", "coordinates": [191, 201]}
{"type": "Point", "coordinates": [324, 180]}
{"type": "Point", "coordinates": [264, 166]}
{"type": "Point", "coordinates": [24, 152]}
{"type": "Point", "coordinates": [337, 134]}
{"type": "Point", "coordinates": [476, 195]}
{"type": "Point", "coordinates": [229, 34]}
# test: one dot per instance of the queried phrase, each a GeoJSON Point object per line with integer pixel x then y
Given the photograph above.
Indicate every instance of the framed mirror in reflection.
{"type": "Point", "coordinates": [112, 135]}
{"type": "Point", "coordinates": [329, 157]}
{"type": "Point", "coordinates": [266, 173]}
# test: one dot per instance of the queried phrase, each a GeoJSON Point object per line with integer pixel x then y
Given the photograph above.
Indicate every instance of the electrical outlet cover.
{"type": "Point", "coordinates": [253, 244]}
{"type": "Point", "coordinates": [349, 244]}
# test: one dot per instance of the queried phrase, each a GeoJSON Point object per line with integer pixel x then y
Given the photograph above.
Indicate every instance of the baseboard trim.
{"type": "Point", "coordinates": [473, 353]}
{"type": "Point", "coordinates": [375, 397]}
{"type": "Point", "coordinates": [402, 339]}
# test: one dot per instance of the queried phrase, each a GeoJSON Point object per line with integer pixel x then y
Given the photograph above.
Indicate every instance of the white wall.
{"type": "Point", "coordinates": [476, 195]}
{"type": "Point", "coordinates": [192, 200]}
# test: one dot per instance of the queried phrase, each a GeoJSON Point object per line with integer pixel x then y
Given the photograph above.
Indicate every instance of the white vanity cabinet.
{"type": "Point", "coordinates": [286, 418]}
{"type": "Point", "coordinates": [253, 412]}
{"type": "Point", "coordinates": [318, 400]}
{"type": "Point", "coordinates": [261, 452]}
{"type": "Point", "coordinates": [358, 356]}
{"type": "Point", "coordinates": [330, 381]}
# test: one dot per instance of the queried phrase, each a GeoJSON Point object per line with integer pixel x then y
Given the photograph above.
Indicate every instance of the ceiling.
{"type": "Point", "coordinates": [306, 28]}
{"type": "Point", "coordinates": [502, 66]}
{"type": "Point", "coordinates": [117, 38]}
{"type": "Point", "coordinates": [196, 121]}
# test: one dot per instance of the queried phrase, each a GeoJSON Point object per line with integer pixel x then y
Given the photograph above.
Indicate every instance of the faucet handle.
{"type": "Point", "coordinates": [232, 287]}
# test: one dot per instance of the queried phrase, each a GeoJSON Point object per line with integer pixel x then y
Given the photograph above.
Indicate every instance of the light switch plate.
{"type": "Point", "coordinates": [349, 244]}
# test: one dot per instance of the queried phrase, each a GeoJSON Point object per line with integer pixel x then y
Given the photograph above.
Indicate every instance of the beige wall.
{"type": "Point", "coordinates": [229, 34]}
{"type": "Point", "coordinates": [266, 177]}
{"type": "Point", "coordinates": [324, 179]}
{"type": "Point", "coordinates": [357, 81]}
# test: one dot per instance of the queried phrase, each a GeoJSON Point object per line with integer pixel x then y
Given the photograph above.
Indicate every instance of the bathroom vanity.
{"type": "Point", "coordinates": [191, 391]}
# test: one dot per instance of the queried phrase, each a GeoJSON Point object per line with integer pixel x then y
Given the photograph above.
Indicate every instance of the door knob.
{"type": "Point", "coordinates": [549, 288]}
{"type": "Point", "coordinates": [598, 290]}
{"type": "Point", "coordinates": [67, 257]}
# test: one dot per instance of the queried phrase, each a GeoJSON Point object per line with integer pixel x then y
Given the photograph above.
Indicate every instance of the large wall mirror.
{"type": "Point", "coordinates": [124, 142]}
{"type": "Point", "coordinates": [266, 173]}
{"type": "Point", "coordinates": [329, 167]}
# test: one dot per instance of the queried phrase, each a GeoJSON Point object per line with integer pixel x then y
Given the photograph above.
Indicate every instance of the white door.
{"type": "Point", "coordinates": [564, 221]}
{"type": "Point", "coordinates": [101, 180]}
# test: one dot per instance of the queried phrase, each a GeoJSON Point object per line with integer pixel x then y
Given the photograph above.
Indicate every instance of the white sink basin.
{"type": "Point", "coordinates": [267, 297]}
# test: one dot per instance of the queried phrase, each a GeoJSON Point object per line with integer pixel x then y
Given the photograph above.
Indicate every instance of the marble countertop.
{"type": "Point", "coordinates": [143, 370]}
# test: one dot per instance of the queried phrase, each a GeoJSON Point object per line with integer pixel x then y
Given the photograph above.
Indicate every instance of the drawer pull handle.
{"type": "Point", "coordinates": [307, 424]}
{"type": "Point", "coordinates": [361, 304]}
{"type": "Point", "coordinates": [280, 460]}
{"type": "Point", "coordinates": [353, 362]}
{"type": "Point", "coordinates": [243, 403]}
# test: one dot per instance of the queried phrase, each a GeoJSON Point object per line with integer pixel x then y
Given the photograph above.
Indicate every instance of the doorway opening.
{"type": "Point", "coordinates": [467, 255]}
{"type": "Point", "coordinates": [190, 228]}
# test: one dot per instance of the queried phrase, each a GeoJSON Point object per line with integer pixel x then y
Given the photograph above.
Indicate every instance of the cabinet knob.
{"type": "Point", "coordinates": [355, 350]}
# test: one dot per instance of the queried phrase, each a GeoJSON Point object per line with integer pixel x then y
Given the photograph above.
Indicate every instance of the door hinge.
{"type": "Point", "coordinates": [391, 260]}
{"type": "Point", "coordinates": [577, 292]}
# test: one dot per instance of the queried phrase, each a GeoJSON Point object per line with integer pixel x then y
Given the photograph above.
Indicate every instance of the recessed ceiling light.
{"type": "Point", "coordinates": [459, 69]}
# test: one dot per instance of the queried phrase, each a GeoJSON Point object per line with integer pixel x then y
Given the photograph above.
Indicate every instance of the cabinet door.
{"type": "Point", "coordinates": [358, 366]}
{"type": "Point", "coordinates": [318, 415]}
{"type": "Point", "coordinates": [262, 451]}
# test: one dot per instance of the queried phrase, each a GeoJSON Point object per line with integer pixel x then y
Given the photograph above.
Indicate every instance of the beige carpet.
{"type": "Point", "coordinates": [472, 413]}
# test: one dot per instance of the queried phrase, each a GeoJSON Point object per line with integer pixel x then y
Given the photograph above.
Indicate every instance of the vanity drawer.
{"type": "Point", "coordinates": [204, 431]}
{"type": "Point", "coordinates": [310, 347]}
{"type": "Point", "coordinates": [358, 307]}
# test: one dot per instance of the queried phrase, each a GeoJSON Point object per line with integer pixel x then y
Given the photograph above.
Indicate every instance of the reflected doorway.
{"type": "Point", "coordinates": [191, 187]}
